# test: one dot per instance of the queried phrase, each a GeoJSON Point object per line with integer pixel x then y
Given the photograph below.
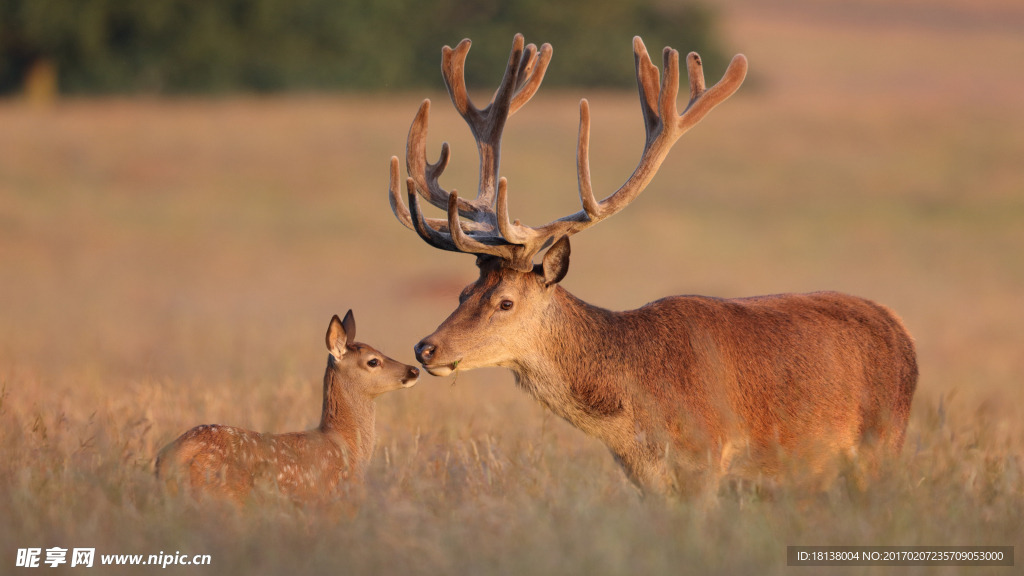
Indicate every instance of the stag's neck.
{"type": "Point", "coordinates": [348, 418]}
{"type": "Point", "coordinates": [576, 369]}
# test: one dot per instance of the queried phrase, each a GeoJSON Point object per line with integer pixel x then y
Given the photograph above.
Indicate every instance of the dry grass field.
{"type": "Point", "coordinates": [166, 263]}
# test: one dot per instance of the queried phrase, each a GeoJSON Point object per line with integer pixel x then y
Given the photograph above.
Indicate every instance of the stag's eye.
{"type": "Point", "coordinates": [506, 304]}
{"type": "Point", "coordinates": [373, 363]}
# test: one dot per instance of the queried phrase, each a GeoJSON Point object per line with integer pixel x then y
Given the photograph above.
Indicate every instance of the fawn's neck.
{"type": "Point", "coordinates": [347, 417]}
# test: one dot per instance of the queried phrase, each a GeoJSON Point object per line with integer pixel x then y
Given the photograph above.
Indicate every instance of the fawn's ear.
{"type": "Point", "coordinates": [556, 262]}
{"type": "Point", "coordinates": [349, 323]}
{"type": "Point", "coordinates": [337, 337]}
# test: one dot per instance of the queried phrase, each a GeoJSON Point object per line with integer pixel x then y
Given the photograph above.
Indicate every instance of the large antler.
{"type": "Point", "coordinates": [517, 244]}
{"type": "Point", "coordinates": [525, 71]}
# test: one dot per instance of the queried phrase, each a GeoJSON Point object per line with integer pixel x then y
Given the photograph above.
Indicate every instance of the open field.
{"type": "Point", "coordinates": [166, 263]}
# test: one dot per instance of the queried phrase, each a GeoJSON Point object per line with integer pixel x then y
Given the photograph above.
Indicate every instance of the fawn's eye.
{"type": "Point", "coordinates": [373, 363]}
{"type": "Point", "coordinates": [506, 304]}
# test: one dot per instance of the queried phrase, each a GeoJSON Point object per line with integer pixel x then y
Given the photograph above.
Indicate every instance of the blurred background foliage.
{"type": "Point", "coordinates": [195, 46]}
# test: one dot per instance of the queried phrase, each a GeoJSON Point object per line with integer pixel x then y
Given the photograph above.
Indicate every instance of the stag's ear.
{"type": "Point", "coordinates": [337, 337]}
{"type": "Point", "coordinates": [556, 262]}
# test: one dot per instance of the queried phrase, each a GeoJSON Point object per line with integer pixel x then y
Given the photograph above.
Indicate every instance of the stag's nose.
{"type": "Point", "coordinates": [424, 351]}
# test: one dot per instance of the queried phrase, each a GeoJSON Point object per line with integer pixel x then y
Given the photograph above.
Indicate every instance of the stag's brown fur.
{"type": "Point", "coordinates": [688, 389]}
{"type": "Point", "coordinates": [230, 462]}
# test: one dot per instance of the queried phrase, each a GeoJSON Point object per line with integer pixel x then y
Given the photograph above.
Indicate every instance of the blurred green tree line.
{"type": "Point", "coordinates": [176, 46]}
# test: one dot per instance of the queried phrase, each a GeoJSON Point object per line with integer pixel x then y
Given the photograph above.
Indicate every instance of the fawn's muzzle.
{"type": "Point", "coordinates": [411, 375]}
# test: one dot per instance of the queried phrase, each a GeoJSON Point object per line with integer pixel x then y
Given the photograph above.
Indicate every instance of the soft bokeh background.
{"type": "Point", "coordinates": [166, 262]}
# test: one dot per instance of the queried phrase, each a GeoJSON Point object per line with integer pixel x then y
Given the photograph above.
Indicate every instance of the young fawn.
{"type": "Point", "coordinates": [229, 461]}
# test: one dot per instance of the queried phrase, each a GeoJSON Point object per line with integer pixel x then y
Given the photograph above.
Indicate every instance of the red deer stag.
{"type": "Point", "coordinates": [683, 390]}
{"type": "Point", "coordinates": [227, 461]}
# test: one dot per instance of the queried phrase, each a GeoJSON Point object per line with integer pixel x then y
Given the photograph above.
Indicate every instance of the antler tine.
{"type": "Point", "coordinates": [590, 205]}
{"type": "Point", "coordinates": [397, 206]}
{"type": "Point", "coordinates": [669, 85]}
{"type": "Point", "coordinates": [428, 233]}
{"type": "Point", "coordinates": [514, 233]}
{"type": "Point", "coordinates": [696, 73]}
{"type": "Point", "coordinates": [531, 74]}
{"type": "Point", "coordinates": [647, 79]}
{"type": "Point", "coordinates": [453, 70]}
{"type": "Point", "coordinates": [526, 64]}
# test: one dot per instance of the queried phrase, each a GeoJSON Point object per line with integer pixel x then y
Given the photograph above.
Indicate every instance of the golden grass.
{"type": "Point", "coordinates": [170, 263]}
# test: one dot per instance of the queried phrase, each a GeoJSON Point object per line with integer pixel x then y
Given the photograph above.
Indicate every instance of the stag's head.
{"type": "Point", "coordinates": [494, 314]}
{"type": "Point", "coordinates": [500, 312]}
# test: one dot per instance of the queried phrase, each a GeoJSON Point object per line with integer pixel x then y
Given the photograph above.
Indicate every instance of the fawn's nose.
{"type": "Point", "coordinates": [425, 351]}
{"type": "Point", "coordinates": [411, 376]}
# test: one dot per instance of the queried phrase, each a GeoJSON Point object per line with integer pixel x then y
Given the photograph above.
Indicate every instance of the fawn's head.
{"type": "Point", "coordinates": [360, 367]}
